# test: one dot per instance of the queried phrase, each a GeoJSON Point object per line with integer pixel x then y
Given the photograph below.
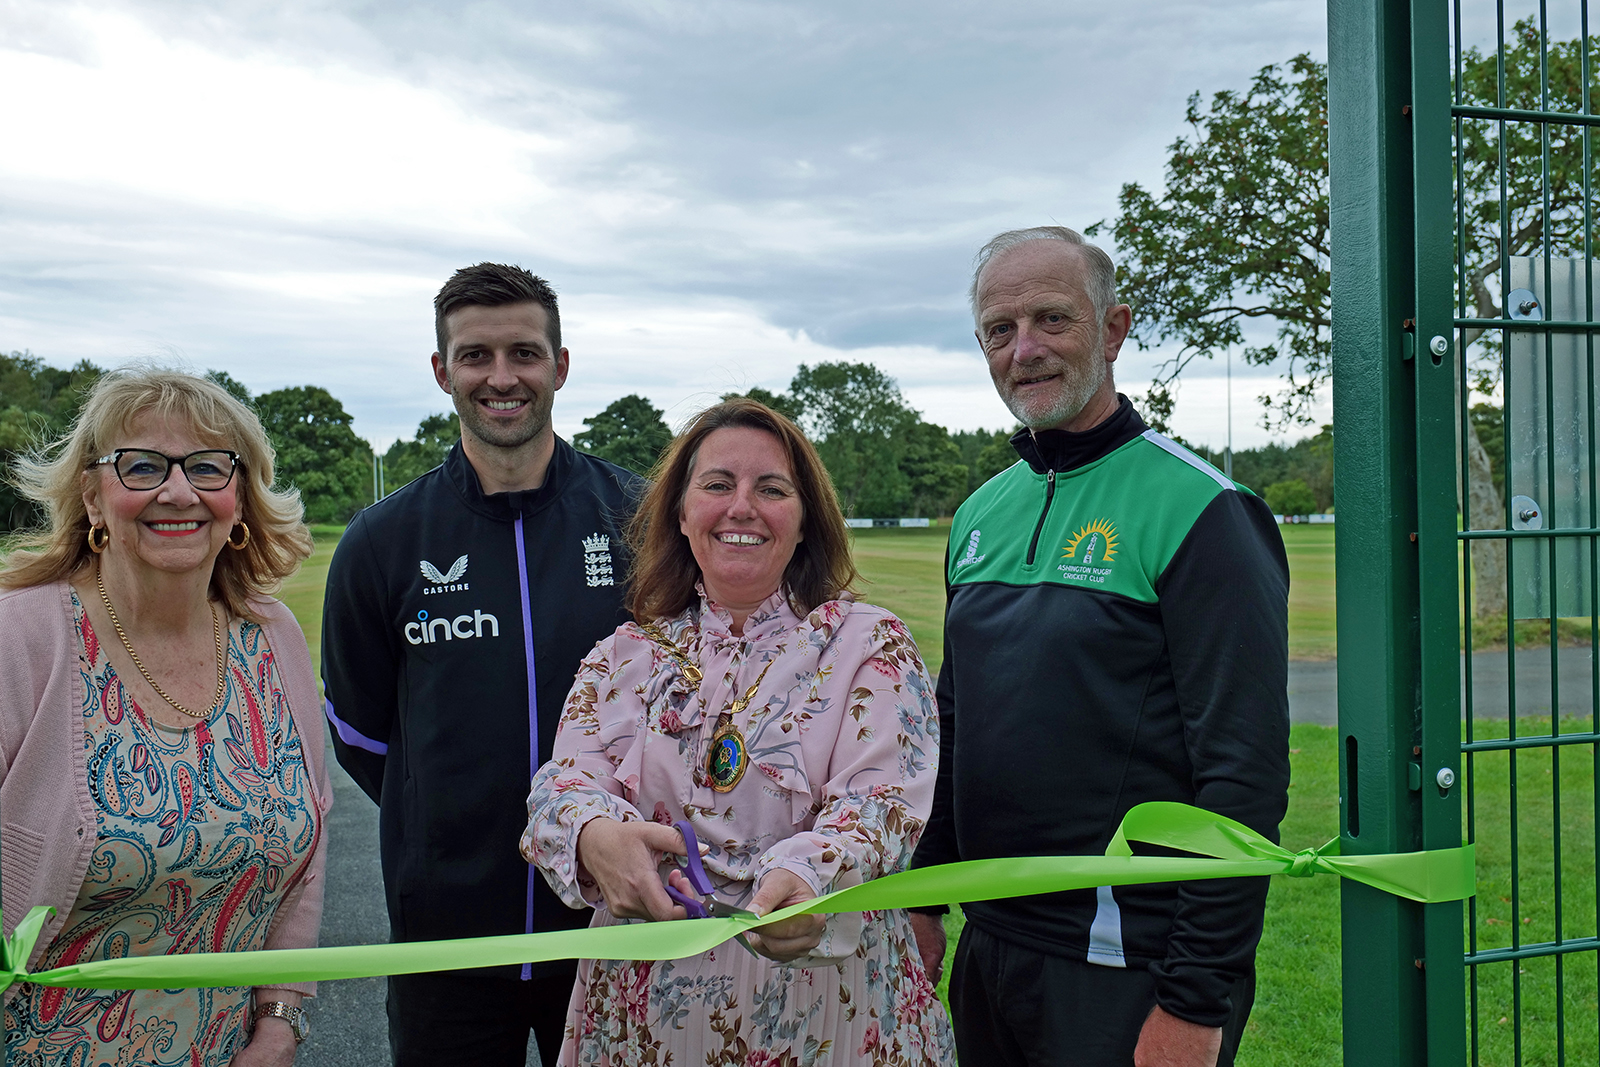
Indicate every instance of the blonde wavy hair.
{"type": "Point", "coordinates": [52, 477]}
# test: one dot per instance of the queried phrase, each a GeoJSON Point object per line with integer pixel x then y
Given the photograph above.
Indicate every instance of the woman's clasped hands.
{"type": "Point", "coordinates": [623, 858]}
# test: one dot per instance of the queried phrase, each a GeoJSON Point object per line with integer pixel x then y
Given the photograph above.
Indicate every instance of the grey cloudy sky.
{"type": "Point", "coordinates": [719, 189]}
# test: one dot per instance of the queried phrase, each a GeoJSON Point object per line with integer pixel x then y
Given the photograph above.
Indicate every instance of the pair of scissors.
{"type": "Point", "coordinates": [692, 870]}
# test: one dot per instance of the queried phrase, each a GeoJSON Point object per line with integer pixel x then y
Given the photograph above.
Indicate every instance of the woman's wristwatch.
{"type": "Point", "coordinates": [289, 1013]}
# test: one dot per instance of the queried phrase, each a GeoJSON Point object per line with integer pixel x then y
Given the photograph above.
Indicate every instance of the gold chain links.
{"type": "Point", "coordinates": [222, 660]}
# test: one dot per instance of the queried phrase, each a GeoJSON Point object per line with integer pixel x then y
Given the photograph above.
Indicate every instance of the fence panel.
{"type": "Point", "coordinates": [1465, 290]}
{"type": "Point", "coordinates": [1523, 117]}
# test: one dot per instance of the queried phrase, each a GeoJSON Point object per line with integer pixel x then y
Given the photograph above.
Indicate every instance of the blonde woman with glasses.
{"type": "Point", "coordinates": [161, 774]}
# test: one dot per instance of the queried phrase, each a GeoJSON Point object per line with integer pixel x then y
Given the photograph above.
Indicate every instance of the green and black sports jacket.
{"type": "Point", "coordinates": [1115, 632]}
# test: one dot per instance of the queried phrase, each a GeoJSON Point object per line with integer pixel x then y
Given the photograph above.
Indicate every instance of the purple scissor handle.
{"type": "Point", "coordinates": [692, 870]}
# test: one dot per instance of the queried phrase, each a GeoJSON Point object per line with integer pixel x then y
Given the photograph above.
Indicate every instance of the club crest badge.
{"type": "Point", "coordinates": [1088, 555]}
{"type": "Point", "coordinates": [1094, 543]}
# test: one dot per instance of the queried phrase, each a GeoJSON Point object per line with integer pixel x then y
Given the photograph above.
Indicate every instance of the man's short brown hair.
{"type": "Point", "coordinates": [494, 285]}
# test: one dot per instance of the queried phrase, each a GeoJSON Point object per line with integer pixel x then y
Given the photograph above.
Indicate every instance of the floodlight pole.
{"type": "Point", "coordinates": [1227, 455]}
{"type": "Point", "coordinates": [377, 477]}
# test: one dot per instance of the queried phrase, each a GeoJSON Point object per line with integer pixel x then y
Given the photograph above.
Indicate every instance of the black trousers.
{"type": "Point", "coordinates": [1013, 1007]}
{"type": "Point", "coordinates": [445, 1018]}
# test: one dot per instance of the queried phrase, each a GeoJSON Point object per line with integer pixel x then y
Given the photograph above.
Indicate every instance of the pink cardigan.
{"type": "Point", "coordinates": [47, 819]}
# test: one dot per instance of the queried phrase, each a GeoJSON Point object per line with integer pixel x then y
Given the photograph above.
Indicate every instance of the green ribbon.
{"type": "Point", "coordinates": [1231, 850]}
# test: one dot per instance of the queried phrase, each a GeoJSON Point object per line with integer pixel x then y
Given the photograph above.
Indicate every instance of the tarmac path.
{"type": "Point", "coordinates": [1314, 695]}
{"type": "Point", "coordinates": [348, 1025]}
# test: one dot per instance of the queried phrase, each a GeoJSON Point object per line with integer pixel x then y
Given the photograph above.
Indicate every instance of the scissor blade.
{"type": "Point", "coordinates": [728, 911]}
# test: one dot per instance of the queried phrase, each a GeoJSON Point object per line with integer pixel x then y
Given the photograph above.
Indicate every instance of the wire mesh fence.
{"type": "Point", "coordinates": [1525, 111]}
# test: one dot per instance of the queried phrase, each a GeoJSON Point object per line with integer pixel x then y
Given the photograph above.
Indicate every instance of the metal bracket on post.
{"type": "Point", "coordinates": [1526, 513]}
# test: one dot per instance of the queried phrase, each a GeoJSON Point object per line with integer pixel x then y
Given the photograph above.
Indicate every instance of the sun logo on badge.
{"type": "Point", "coordinates": [1099, 542]}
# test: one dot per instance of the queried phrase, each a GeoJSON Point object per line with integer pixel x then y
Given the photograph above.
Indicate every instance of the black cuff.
{"type": "Point", "coordinates": [931, 909]}
{"type": "Point", "coordinates": [1194, 994]}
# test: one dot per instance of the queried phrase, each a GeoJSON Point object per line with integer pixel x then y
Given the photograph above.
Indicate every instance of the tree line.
{"type": "Point", "coordinates": [318, 452]}
{"type": "Point", "coordinates": [1240, 234]}
{"type": "Point", "coordinates": [885, 460]}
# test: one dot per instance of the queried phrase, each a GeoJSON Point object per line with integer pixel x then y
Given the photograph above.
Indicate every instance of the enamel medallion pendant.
{"type": "Point", "coordinates": [728, 758]}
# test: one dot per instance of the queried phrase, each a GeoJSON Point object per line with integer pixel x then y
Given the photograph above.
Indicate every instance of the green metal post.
{"type": "Point", "coordinates": [1390, 211]}
{"type": "Point", "coordinates": [1437, 735]}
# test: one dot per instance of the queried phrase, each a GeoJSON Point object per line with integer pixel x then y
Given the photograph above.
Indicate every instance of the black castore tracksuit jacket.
{"type": "Point", "coordinates": [453, 625]}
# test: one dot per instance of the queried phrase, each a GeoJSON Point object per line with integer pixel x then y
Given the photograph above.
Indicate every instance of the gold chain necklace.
{"type": "Point", "coordinates": [216, 631]}
{"type": "Point", "coordinates": [729, 754]}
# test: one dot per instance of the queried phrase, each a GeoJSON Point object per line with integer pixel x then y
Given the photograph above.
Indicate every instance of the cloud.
{"type": "Point", "coordinates": [173, 122]}
{"type": "Point", "coordinates": [277, 188]}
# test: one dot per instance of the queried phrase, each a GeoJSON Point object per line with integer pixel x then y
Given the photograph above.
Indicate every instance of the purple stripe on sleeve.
{"type": "Point", "coordinates": [350, 735]}
{"type": "Point", "coordinates": [533, 709]}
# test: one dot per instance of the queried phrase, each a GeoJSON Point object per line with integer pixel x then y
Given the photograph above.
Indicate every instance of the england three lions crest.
{"type": "Point", "coordinates": [597, 566]}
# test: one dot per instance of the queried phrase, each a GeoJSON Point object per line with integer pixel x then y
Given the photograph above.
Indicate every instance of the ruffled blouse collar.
{"type": "Point", "coordinates": [770, 618]}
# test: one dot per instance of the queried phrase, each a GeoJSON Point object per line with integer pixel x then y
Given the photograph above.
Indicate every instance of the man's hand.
{"type": "Point", "coordinates": [929, 930]}
{"type": "Point", "coordinates": [794, 936]}
{"type": "Point", "coordinates": [622, 857]}
{"type": "Point", "coordinates": [1168, 1041]}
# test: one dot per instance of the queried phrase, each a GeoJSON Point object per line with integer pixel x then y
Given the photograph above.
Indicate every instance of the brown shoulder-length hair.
{"type": "Point", "coordinates": [661, 581]}
{"type": "Point", "coordinates": [52, 477]}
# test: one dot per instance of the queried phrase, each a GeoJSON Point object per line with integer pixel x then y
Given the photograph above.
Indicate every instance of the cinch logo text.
{"type": "Point", "coordinates": [426, 631]}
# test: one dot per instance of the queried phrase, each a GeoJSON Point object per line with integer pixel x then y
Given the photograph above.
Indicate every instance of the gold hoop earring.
{"type": "Point", "coordinates": [239, 545]}
{"type": "Point", "coordinates": [98, 545]}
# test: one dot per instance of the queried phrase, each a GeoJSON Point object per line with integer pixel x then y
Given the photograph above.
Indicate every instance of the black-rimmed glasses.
{"type": "Point", "coordinates": [145, 468]}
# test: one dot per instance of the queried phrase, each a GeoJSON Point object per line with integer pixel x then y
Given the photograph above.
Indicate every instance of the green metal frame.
{"type": "Point", "coordinates": [1561, 949]}
{"type": "Point", "coordinates": [1395, 444]}
{"type": "Point", "coordinates": [1402, 318]}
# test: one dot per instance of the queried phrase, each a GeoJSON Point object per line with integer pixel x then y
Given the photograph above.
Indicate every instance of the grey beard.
{"type": "Point", "coordinates": [1076, 392]}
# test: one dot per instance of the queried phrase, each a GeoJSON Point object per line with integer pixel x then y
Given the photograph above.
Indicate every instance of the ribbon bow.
{"type": "Point", "coordinates": [18, 946]}
{"type": "Point", "coordinates": [1431, 877]}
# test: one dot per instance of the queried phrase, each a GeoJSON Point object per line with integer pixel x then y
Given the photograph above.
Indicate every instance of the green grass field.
{"type": "Point", "coordinates": [1311, 591]}
{"type": "Point", "coordinates": [1297, 1019]}
{"type": "Point", "coordinates": [303, 592]}
{"type": "Point", "coordinates": [904, 572]}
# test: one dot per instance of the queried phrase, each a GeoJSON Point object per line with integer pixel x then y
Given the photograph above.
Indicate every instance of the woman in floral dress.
{"type": "Point", "coordinates": [161, 766]}
{"type": "Point", "coordinates": [791, 726]}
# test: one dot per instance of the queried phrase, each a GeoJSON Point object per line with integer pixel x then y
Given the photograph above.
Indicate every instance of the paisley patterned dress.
{"type": "Point", "coordinates": [202, 832]}
{"type": "Point", "coordinates": [843, 740]}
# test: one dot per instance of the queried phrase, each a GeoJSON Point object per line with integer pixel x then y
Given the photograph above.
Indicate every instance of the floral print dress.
{"type": "Point", "coordinates": [843, 739]}
{"type": "Point", "coordinates": [202, 832]}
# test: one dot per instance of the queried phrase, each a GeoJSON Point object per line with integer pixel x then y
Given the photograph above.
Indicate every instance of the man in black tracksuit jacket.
{"type": "Point", "coordinates": [455, 619]}
{"type": "Point", "coordinates": [1115, 633]}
